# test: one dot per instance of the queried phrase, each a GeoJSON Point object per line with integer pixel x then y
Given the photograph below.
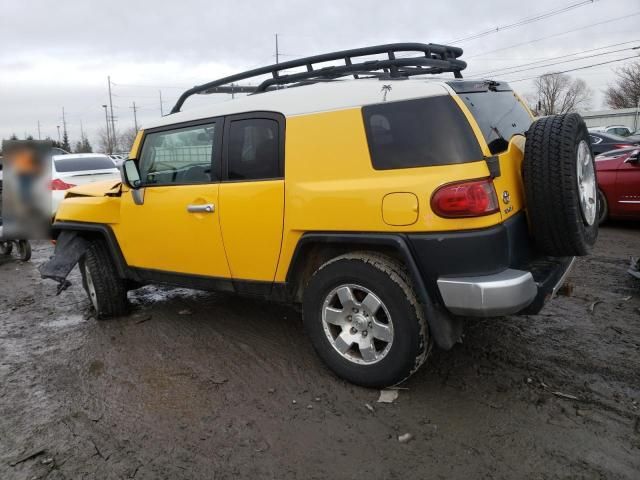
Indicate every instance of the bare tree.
{"type": "Point", "coordinates": [105, 141]}
{"type": "Point", "coordinates": [559, 93]}
{"type": "Point", "coordinates": [625, 93]}
{"type": "Point", "coordinates": [126, 139]}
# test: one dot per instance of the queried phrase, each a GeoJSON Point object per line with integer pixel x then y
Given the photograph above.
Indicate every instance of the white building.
{"type": "Point", "coordinates": [629, 117]}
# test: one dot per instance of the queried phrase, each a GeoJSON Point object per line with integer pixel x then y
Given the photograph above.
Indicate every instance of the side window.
{"type": "Point", "coordinates": [180, 156]}
{"type": "Point", "coordinates": [254, 149]}
{"type": "Point", "coordinates": [419, 133]}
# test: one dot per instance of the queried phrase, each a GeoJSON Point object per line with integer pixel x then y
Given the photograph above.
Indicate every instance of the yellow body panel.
{"type": "Point", "coordinates": [251, 215]}
{"type": "Point", "coordinates": [400, 208]}
{"type": "Point", "coordinates": [104, 210]}
{"type": "Point", "coordinates": [162, 235]}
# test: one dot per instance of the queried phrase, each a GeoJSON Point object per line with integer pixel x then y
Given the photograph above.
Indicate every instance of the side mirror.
{"type": "Point", "coordinates": [634, 157]}
{"type": "Point", "coordinates": [130, 174]}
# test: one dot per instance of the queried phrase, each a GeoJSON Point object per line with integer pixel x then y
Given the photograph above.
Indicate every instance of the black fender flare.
{"type": "Point", "coordinates": [445, 328]}
{"type": "Point", "coordinates": [105, 232]}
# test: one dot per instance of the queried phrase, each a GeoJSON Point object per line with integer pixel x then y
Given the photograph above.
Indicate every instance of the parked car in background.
{"type": "Point", "coordinates": [619, 130]}
{"type": "Point", "coordinates": [70, 170]}
{"type": "Point", "coordinates": [618, 173]}
{"type": "Point", "coordinates": [117, 158]}
{"type": "Point", "coordinates": [604, 142]}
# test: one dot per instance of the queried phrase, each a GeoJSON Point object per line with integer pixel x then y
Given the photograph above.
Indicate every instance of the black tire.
{"type": "Point", "coordinates": [558, 223]}
{"type": "Point", "coordinates": [388, 280]}
{"type": "Point", "coordinates": [106, 290]}
{"type": "Point", "coordinates": [603, 208]}
{"type": "Point", "coordinates": [6, 248]}
{"type": "Point", "coordinates": [24, 250]}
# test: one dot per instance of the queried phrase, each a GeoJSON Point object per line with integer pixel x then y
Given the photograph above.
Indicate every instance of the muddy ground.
{"type": "Point", "coordinates": [200, 385]}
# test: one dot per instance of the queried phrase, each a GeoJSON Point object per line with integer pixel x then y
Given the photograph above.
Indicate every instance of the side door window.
{"type": "Point", "coordinates": [253, 150]}
{"type": "Point", "coordinates": [181, 156]}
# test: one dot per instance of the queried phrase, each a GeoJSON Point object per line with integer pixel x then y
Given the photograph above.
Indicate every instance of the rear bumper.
{"type": "Point", "coordinates": [508, 292]}
{"type": "Point", "coordinates": [502, 293]}
{"type": "Point", "coordinates": [489, 272]}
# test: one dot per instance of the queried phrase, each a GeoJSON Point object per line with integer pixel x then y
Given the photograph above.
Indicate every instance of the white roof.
{"type": "Point", "coordinates": [319, 97]}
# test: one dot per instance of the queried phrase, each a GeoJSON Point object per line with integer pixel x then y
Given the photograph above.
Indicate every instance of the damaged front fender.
{"type": "Point", "coordinates": [70, 247]}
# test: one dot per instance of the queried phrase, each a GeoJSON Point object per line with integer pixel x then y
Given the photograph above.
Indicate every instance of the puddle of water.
{"type": "Point", "coordinates": [159, 294]}
{"type": "Point", "coordinates": [66, 321]}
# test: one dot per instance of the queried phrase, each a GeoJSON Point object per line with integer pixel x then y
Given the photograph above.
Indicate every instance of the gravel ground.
{"type": "Point", "coordinates": [201, 385]}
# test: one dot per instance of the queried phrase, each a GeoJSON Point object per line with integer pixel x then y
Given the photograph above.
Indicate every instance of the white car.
{"type": "Point", "coordinates": [70, 170]}
{"type": "Point", "coordinates": [619, 130]}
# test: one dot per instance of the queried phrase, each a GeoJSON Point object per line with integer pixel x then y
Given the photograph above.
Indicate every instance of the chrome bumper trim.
{"type": "Point", "coordinates": [494, 295]}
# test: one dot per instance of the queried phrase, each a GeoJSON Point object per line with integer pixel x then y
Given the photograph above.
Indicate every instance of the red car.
{"type": "Point", "coordinates": [619, 184]}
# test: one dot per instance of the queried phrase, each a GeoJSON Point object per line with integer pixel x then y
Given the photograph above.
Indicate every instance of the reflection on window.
{"type": "Point", "coordinates": [181, 156]}
{"type": "Point", "coordinates": [253, 149]}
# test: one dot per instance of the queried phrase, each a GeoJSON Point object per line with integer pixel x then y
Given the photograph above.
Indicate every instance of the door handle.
{"type": "Point", "coordinates": [205, 208]}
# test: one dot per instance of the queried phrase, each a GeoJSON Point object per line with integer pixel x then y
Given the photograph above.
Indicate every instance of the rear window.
{"type": "Point", "coordinates": [85, 163]}
{"type": "Point", "coordinates": [419, 133]}
{"type": "Point", "coordinates": [500, 116]}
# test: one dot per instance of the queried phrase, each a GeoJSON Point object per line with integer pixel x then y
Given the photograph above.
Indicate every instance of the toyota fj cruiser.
{"type": "Point", "coordinates": [389, 205]}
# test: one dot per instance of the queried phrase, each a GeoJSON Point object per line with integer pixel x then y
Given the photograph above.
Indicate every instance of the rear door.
{"type": "Point", "coordinates": [252, 194]}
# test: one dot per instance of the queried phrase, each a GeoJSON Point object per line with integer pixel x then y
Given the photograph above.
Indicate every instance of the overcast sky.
{"type": "Point", "coordinates": [55, 54]}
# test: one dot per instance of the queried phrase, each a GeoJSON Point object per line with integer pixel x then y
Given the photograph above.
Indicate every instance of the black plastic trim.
{"type": "Point", "coordinates": [107, 233]}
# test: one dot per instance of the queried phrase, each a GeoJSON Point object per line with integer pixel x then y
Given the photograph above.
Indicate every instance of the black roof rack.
{"type": "Point", "coordinates": [431, 59]}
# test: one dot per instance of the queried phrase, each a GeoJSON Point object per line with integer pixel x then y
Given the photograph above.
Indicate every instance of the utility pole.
{"type": "Point", "coordinates": [113, 125]}
{"type": "Point", "coordinates": [106, 119]}
{"type": "Point", "coordinates": [135, 117]}
{"type": "Point", "coordinates": [277, 51]}
{"type": "Point", "coordinates": [161, 111]}
{"type": "Point", "coordinates": [39, 137]}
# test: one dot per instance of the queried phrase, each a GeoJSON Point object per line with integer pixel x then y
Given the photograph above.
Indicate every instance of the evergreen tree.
{"type": "Point", "coordinates": [65, 142]}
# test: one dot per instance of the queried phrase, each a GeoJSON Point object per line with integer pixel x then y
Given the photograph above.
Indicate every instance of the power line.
{"type": "Point", "coordinates": [523, 21]}
{"type": "Point", "coordinates": [493, 72]}
{"type": "Point", "coordinates": [508, 47]}
{"type": "Point", "coordinates": [579, 68]}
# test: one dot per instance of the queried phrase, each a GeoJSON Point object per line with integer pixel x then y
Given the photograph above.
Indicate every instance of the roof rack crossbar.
{"type": "Point", "coordinates": [434, 59]}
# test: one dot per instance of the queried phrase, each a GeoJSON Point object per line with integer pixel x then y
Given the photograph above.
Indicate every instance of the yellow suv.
{"type": "Point", "coordinates": [389, 205]}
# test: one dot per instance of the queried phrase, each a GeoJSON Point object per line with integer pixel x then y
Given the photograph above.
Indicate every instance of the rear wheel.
{"type": "Point", "coordinates": [106, 290]}
{"type": "Point", "coordinates": [6, 248]}
{"type": "Point", "coordinates": [364, 320]}
{"type": "Point", "coordinates": [24, 250]}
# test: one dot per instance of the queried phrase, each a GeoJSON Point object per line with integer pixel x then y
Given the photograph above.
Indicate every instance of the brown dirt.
{"type": "Point", "coordinates": [200, 385]}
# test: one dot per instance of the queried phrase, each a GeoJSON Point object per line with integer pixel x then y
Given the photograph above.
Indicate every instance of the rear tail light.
{"type": "Point", "coordinates": [57, 184]}
{"type": "Point", "coordinates": [465, 199]}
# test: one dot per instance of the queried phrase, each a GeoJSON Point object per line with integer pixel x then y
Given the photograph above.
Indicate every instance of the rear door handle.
{"type": "Point", "coordinates": [203, 208]}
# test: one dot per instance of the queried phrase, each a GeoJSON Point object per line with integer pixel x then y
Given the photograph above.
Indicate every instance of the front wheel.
{"type": "Point", "coordinates": [106, 290]}
{"type": "Point", "coordinates": [364, 320]}
{"type": "Point", "coordinates": [603, 208]}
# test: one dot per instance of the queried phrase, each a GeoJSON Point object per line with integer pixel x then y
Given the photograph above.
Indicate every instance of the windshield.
{"type": "Point", "coordinates": [500, 115]}
{"type": "Point", "coordinates": [84, 163]}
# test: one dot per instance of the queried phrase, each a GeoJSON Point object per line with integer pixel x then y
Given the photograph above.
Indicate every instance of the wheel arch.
{"type": "Point", "coordinates": [98, 231]}
{"type": "Point", "coordinates": [314, 249]}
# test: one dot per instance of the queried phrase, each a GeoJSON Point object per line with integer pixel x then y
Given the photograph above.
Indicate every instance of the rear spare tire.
{"type": "Point", "coordinates": [560, 186]}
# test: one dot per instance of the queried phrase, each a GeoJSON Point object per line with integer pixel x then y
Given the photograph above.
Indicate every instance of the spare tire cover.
{"type": "Point", "coordinates": [561, 186]}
